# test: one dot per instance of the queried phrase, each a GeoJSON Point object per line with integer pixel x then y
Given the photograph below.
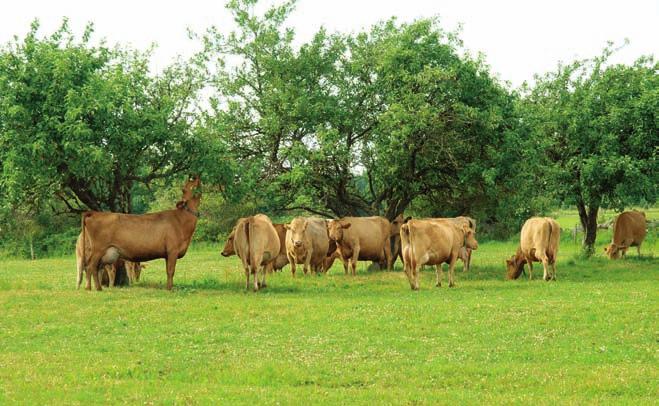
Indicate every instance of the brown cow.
{"type": "Point", "coordinates": [139, 238]}
{"type": "Point", "coordinates": [255, 241]}
{"type": "Point", "coordinates": [465, 252]}
{"type": "Point", "coordinates": [538, 242]}
{"type": "Point", "coordinates": [307, 242]}
{"type": "Point", "coordinates": [362, 238]}
{"type": "Point", "coordinates": [280, 261]}
{"type": "Point", "coordinates": [433, 242]}
{"type": "Point", "coordinates": [629, 230]}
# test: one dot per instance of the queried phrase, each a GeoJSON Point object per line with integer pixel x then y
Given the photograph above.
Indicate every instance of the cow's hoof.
{"type": "Point", "coordinates": [439, 285]}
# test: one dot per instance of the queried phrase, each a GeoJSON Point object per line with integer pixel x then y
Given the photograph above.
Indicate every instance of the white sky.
{"type": "Point", "coordinates": [520, 38]}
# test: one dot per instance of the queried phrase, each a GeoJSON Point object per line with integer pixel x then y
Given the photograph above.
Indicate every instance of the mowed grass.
{"type": "Point", "coordinates": [590, 337]}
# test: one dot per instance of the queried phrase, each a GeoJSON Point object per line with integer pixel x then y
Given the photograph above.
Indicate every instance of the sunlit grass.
{"type": "Point", "coordinates": [589, 337]}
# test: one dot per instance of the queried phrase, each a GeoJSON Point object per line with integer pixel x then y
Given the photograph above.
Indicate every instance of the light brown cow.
{"type": "Point", "coordinates": [307, 243]}
{"type": "Point", "coordinates": [139, 238]}
{"type": "Point", "coordinates": [629, 229]}
{"type": "Point", "coordinates": [538, 242]}
{"type": "Point", "coordinates": [433, 242]}
{"type": "Point", "coordinates": [280, 261]}
{"type": "Point", "coordinates": [362, 238]}
{"type": "Point", "coordinates": [255, 241]}
{"type": "Point", "coordinates": [465, 252]}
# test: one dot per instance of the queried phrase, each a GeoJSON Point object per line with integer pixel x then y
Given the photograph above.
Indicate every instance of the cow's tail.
{"type": "Point", "coordinates": [249, 232]}
{"type": "Point", "coordinates": [83, 263]}
{"type": "Point", "coordinates": [411, 258]}
{"type": "Point", "coordinates": [549, 250]}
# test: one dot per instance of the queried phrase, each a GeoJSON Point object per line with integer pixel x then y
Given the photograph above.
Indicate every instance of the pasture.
{"type": "Point", "coordinates": [590, 337]}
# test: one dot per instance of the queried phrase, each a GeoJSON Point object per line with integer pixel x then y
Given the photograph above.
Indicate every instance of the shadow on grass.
{"type": "Point", "coordinates": [210, 284]}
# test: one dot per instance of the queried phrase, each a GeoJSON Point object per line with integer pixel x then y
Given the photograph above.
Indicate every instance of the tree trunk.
{"type": "Point", "coordinates": [588, 218]}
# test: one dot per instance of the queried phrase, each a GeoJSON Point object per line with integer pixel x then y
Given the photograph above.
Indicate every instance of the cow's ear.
{"type": "Point", "coordinates": [346, 225]}
{"type": "Point", "coordinates": [180, 204]}
{"type": "Point", "coordinates": [287, 226]}
{"type": "Point", "coordinates": [408, 218]}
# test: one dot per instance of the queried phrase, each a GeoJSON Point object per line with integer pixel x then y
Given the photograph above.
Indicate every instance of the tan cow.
{"type": "Point", "coordinates": [139, 238]}
{"type": "Point", "coordinates": [629, 229]}
{"type": "Point", "coordinates": [433, 242]}
{"type": "Point", "coordinates": [254, 239]}
{"type": "Point", "coordinates": [465, 252]}
{"type": "Point", "coordinates": [362, 238]}
{"type": "Point", "coordinates": [280, 261]}
{"type": "Point", "coordinates": [538, 242]}
{"type": "Point", "coordinates": [307, 243]}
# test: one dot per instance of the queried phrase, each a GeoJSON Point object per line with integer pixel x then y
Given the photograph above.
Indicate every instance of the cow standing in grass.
{"type": "Point", "coordinates": [362, 239]}
{"type": "Point", "coordinates": [137, 238]}
{"type": "Point", "coordinates": [307, 243]}
{"type": "Point", "coordinates": [538, 242]}
{"type": "Point", "coordinates": [433, 242]}
{"type": "Point", "coordinates": [256, 242]}
{"type": "Point", "coordinates": [629, 230]}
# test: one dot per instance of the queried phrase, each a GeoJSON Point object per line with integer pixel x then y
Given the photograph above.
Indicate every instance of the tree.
{"type": "Point", "coordinates": [363, 124]}
{"type": "Point", "coordinates": [596, 124]}
{"type": "Point", "coordinates": [88, 124]}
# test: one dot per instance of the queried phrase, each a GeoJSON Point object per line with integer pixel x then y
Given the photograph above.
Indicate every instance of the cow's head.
{"type": "Point", "coordinates": [335, 229]}
{"type": "Point", "coordinates": [469, 237]}
{"type": "Point", "coordinates": [612, 251]}
{"type": "Point", "coordinates": [191, 193]}
{"type": "Point", "coordinates": [296, 229]}
{"type": "Point", "coordinates": [228, 246]}
{"type": "Point", "coordinates": [397, 223]}
{"type": "Point", "coordinates": [514, 267]}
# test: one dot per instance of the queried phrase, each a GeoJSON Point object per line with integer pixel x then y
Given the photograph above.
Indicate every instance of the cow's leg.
{"type": "Point", "coordinates": [440, 275]}
{"type": "Point", "coordinates": [171, 268]}
{"type": "Point", "coordinates": [112, 274]}
{"type": "Point", "coordinates": [638, 249]}
{"type": "Point", "coordinates": [92, 269]}
{"type": "Point", "coordinates": [345, 265]}
{"type": "Point", "coordinates": [417, 271]}
{"type": "Point", "coordinates": [80, 270]}
{"type": "Point", "coordinates": [291, 261]}
{"type": "Point", "coordinates": [387, 253]}
{"type": "Point", "coordinates": [468, 261]}
{"type": "Point", "coordinates": [354, 259]}
{"type": "Point", "coordinates": [307, 262]}
{"type": "Point", "coordinates": [266, 269]}
{"type": "Point", "coordinates": [451, 271]}
{"type": "Point", "coordinates": [553, 269]}
{"type": "Point", "coordinates": [255, 265]}
{"type": "Point", "coordinates": [530, 262]}
{"type": "Point", "coordinates": [247, 278]}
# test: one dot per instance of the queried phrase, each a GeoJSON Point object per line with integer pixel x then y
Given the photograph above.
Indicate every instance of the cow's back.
{"type": "Point", "coordinates": [629, 228]}
{"type": "Point", "coordinates": [540, 235]}
{"type": "Point", "coordinates": [263, 237]}
{"type": "Point", "coordinates": [371, 232]}
{"type": "Point", "coordinates": [317, 232]}
{"type": "Point", "coordinates": [431, 241]}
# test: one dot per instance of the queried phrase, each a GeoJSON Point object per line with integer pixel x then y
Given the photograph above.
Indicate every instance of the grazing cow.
{"type": "Point", "coordinates": [629, 229]}
{"type": "Point", "coordinates": [280, 261]}
{"type": "Point", "coordinates": [139, 238]}
{"type": "Point", "coordinates": [255, 241]}
{"type": "Point", "coordinates": [465, 252]}
{"type": "Point", "coordinates": [307, 242]}
{"type": "Point", "coordinates": [538, 242]}
{"type": "Point", "coordinates": [362, 238]}
{"type": "Point", "coordinates": [433, 242]}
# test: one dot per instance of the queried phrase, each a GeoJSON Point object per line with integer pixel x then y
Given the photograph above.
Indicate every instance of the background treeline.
{"type": "Point", "coordinates": [401, 117]}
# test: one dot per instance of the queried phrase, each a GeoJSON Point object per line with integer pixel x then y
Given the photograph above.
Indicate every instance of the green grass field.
{"type": "Point", "coordinates": [590, 337]}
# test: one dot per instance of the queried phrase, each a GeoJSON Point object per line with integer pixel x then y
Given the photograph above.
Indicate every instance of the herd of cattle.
{"type": "Point", "coordinates": [111, 241]}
